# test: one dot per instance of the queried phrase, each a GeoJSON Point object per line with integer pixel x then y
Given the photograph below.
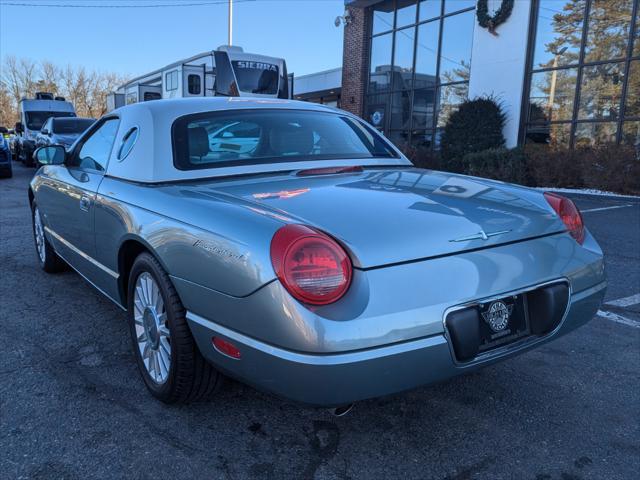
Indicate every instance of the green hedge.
{"type": "Point", "coordinates": [614, 168]}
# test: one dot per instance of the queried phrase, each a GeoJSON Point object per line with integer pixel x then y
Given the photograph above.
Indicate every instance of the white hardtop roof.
{"type": "Point", "coordinates": [151, 159]}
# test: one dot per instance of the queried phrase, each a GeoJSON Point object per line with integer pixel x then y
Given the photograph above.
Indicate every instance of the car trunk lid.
{"type": "Point", "coordinates": [395, 215]}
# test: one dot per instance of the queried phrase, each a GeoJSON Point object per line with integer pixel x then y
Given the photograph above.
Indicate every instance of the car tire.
{"type": "Point", "coordinates": [153, 326]}
{"type": "Point", "coordinates": [48, 259]}
{"type": "Point", "coordinates": [28, 160]}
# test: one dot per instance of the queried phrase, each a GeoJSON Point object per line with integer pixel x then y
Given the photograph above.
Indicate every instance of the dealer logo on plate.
{"type": "Point", "coordinates": [497, 315]}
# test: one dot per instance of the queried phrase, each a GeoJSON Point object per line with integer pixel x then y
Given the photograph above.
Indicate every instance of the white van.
{"type": "Point", "coordinates": [227, 71]}
{"type": "Point", "coordinates": [33, 114]}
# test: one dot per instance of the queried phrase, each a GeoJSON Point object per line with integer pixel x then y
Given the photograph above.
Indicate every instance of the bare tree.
{"type": "Point", "coordinates": [87, 90]}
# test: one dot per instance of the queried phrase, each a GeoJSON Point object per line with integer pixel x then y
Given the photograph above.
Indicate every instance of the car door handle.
{"type": "Point", "coordinates": [85, 203]}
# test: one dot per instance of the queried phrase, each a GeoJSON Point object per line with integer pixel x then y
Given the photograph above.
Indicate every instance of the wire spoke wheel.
{"type": "Point", "coordinates": [151, 328]}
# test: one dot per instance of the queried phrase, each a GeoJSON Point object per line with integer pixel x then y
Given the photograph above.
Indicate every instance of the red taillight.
{"type": "Point", "coordinates": [568, 213]}
{"type": "Point", "coordinates": [226, 348]}
{"type": "Point", "coordinates": [311, 265]}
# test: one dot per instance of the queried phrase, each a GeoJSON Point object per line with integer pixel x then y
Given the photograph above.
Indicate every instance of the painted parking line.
{"type": "Point", "coordinates": [589, 210]}
{"type": "Point", "coordinates": [626, 301]}
{"type": "Point", "coordinates": [614, 317]}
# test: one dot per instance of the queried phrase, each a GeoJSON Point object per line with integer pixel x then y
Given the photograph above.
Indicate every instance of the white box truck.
{"type": "Point", "coordinates": [34, 113]}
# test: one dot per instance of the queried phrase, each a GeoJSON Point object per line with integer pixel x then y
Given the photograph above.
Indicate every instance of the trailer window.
{"type": "Point", "coordinates": [171, 80]}
{"type": "Point", "coordinates": [246, 137]}
{"type": "Point", "coordinates": [194, 84]}
{"type": "Point", "coordinates": [151, 96]}
{"type": "Point", "coordinates": [256, 77]}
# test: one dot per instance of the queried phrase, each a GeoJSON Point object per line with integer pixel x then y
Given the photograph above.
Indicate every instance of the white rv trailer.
{"type": "Point", "coordinates": [227, 71]}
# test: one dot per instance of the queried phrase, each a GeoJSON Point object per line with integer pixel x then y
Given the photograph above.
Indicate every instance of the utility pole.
{"type": "Point", "coordinates": [230, 38]}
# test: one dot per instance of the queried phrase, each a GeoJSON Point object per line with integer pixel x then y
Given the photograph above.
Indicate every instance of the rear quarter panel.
{"type": "Point", "coordinates": [233, 261]}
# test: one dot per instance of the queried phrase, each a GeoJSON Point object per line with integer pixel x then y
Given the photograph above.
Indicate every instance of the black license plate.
{"type": "Point", "coordinates": [502, 321]}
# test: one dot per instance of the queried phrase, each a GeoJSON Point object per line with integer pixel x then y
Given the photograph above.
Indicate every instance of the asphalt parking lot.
{"type": "Point", "coordinates": [72, 404]}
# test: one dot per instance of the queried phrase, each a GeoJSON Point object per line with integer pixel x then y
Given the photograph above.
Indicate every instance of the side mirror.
{"type": "Point", "coordinates": [50, 155]}
{"type": "Point", "coordinates": [19, 127]}
{"type": "Point", "coordinates": [44, 131]}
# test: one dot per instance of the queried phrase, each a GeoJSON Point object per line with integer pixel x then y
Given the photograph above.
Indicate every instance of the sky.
{"type": "Point", "coordinates": [133, 41]}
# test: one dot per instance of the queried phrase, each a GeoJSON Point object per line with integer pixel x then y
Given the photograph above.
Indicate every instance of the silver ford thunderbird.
{"type": "Point", "coordinates": [291, 246]}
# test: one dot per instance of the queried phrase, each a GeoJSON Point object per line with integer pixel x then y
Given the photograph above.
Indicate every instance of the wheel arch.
{"type": "Point", "coordinates": [130, 248]}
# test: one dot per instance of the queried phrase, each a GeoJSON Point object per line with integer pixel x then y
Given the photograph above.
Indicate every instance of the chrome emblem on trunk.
{"type": "Point", "coordinates": [481, 235]}
{"type": "Point", "coordinates": [497, 315]}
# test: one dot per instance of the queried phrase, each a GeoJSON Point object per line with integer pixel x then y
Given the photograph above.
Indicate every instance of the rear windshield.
{"type": "Point", "coordinates": [35, 120]}
{"type": "Point", "coordinates": [246, 137]}
{"type": "Point", "coordinates": [256, 77]}
{"type": "Point", "coordinates": [71, 125]}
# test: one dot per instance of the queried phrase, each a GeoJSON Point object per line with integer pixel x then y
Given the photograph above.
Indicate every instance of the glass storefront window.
{"type": "Point", "coordinates": [601, 91]}
{"type": "Point", "coordinates": [632, 108]}
{"type": "Point", "coordinates": [406, 14]}
{"type": "Point", "coordinates": [595, 133]}
{"type": "Point", "coordinates": [455, 53]}
{"type": "Point", "coordinates": [451, 96]}
{"type": "Point", "coordinates": [403, 58]}
{"type": "Point", "coordinates": [376, 110]}
{"type": "Point", "coordinates": [636, 45]}
{"type": "Point", "coordinates": [631, 134]}
{"type": "Point", "coordinates": [430, 9]}
{"type": "Point", "coordinates": [422, 139]}
{"type": "Point", "coordinates": [598, 77]}
{"type": "Point", "coordinates": [551, 95]}
{"type": "Point", "coordinates": [419, 73]}
{"type": "Point", "coordinates": [457, 5]}
{"type": "Point", "coordinates": [424, 105]}
{"type": "Point", "coordinates": [558, 33]}
{"type": "Point", "coordinates": [380, 63]}
{"type": "Point", "coordinates": [427, 54]}
{"type": "Point", "coordinates": [553, 135]}
{"type": "Point", "coordinates": [400, 111]}
{"type": "Point", "coordinates": [608, 30]}
{"type": "Point", "coordinates": [383, 17]}
{"type": "Point", "coordinates": [398, 137]}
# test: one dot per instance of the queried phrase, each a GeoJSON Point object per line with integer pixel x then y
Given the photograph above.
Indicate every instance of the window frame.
{"type": "Point", "coordinates": [189, 76]}
{"type": "Point", "coordinates": [580, 65]}
{"type": "Point", "coordinates": [385, 126]}
{"type": "Point", "coordinates": [170, 86]}
{"type": "Point", "coordinates": [178, 148]}
{"type": "Point", "coordinates": [75, 154]}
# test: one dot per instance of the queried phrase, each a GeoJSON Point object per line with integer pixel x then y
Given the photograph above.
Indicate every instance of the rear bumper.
{"type": "Point", "coordinates": [337, 379]}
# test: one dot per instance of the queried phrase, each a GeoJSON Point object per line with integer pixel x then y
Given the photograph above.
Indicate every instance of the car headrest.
{"type": "Point", "coordinates": [288, 139]}
{"type": "Point", "coordinates": [198, 141]}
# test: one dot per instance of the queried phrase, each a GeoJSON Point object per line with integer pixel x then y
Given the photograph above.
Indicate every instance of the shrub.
{"type": "Point", "coordinates": [498, 164]}
{"type": "Point", "coordinates": [608, 167]}
{"type": "Point", "coordinates": [611, 167]}
{"type": "Point", "coordinates": [475, 126]}
{"type": "Point", "coordinates": [549, 167]}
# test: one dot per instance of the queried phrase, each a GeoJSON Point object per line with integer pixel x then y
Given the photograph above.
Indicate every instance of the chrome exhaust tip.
{"type": "Point", "coordinates": [341, 411]}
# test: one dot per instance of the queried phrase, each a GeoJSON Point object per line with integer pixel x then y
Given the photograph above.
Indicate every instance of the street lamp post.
{"type": "Point", "coordinates": [554, 79]}
{"type": "Point", "coordinates": [230, 37]}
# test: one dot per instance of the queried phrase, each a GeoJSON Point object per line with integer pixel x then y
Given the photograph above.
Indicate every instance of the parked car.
{"type": "Point", "coordinates": [5, 158]}
{"type": "Point", "coordinates": [62, 131]}
{"type": "Point", "coordinates": [33, 114]}
{"type": "Point", "coordinates": [320, 265]}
